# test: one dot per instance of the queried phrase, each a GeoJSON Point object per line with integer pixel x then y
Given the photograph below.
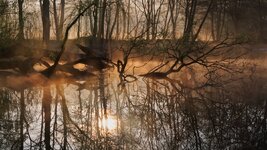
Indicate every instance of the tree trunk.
{"type": "Point", "coordinates": [65, 114]}
{"type": "Point", "coordinates": [46, 20]}
{"type": "Point", "coordinates": [56, 20]}
{"type": "Point", "coordinates": [102, 19]}
{"type": "Point", "coordinates": [95, 15]}
{"type": "Point", "coordinates": [128, 19]}
{"type": "Point", "coordinates": [190, 12]}
{"type": "Point", "coordinates": [115, 20]}
{"type": "Point", "coordinates": [102, 92]}
{"type": "Point", "coordinates": [79, 24]}
{"type": "Point", "coordinates": [22, 116]}
{"type": "Point", "coordinates": [47, 99]}
{"type": "Point", "coordinates": [261, 20]}
{"type": "Point", "coordinates": [148, 20]}
{"type": "Point", "coordinates": [61, 21]}
{"type": "Point", "coordinates": [21, 21]}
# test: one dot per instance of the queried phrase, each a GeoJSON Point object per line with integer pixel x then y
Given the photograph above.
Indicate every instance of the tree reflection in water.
{"type": "Point", "coordinates": [146, 114]}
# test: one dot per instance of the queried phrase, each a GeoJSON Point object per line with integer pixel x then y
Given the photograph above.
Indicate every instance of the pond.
{"type": "Point", "coordinates": [180, 112]}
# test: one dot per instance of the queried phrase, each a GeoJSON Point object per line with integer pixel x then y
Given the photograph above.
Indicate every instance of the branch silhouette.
{"type": "Point", "coordinates": [49, 71]}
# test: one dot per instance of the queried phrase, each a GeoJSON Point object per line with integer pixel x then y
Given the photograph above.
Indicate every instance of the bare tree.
{"type": "Point", "coordinates": [46, 103]}
{"type": "Point", "coordinates": [22, 119]}
{"type": "Point", "coordinates": [59, 20]}
{"type": "Point", "coordinates": [174, 8]}
{"type": "Point", "coordinates": [45, 5]}
{"type": "Point", "coordinates": [21, 20]}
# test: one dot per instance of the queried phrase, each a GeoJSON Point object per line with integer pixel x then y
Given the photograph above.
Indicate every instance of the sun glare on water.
{"type": "Point", "coordinates": [109, 123]}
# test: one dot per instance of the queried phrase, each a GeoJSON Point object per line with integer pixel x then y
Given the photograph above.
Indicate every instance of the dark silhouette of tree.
{"type": "Point", "coordinates": [21, 20]}
{"type": "Point", "coordinates": [59, 20]}
{"type": "Point", "coordinates": [46, 104]}
{"type": "Point", "coordinates": [22, 119]}
{"type": "Point", "coordinates": [45, 6]}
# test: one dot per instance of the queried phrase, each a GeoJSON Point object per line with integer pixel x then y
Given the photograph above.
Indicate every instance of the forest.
{"type": "Point", "coordinates": [133, 74]}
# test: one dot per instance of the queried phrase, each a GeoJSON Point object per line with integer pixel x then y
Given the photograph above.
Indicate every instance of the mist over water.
{"type": "Point", "coordinates": [133, 74]}
{"type": "Point", "coordinates": [145, 114]}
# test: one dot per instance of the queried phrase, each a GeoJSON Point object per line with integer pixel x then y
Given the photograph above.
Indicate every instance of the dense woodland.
{"type": "Point", "coordinates": [133, 74]}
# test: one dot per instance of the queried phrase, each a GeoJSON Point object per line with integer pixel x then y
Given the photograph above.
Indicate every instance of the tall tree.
{"type": "Point", "coordinates": [62, 16]}
{"type": "Point", "coordinates": [45, 19]}
{"type": "Point", "coordinates": [22, 116]}
{"type": "Point", "coordinates": [46, 103]}
{"type": "Point", "coordinates": [59, 20]}
{"type": "Point", "coordinates": [95, 18]}
{"type": "Point", "coordinates": [21, 20]}
{"type": "Point", "coordinates": [174, 7]}
{"type": "Point", "coordinates": [261, 18]}
{"type": "Point", "coordinates": [190, 12]}
{"type": "Point", "coordinates": [103, 7]}
{"type": "Point", "coordinates": [218, 18]}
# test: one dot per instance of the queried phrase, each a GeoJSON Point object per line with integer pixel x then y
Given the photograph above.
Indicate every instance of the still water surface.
{"type": "Point", "coordinates": [100, 113]}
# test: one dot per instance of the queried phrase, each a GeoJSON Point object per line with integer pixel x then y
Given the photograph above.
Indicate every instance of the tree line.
{"type": "Point", "coordinates": [122, 19]}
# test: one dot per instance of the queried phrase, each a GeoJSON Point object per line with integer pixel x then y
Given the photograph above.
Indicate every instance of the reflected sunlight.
{"type": "Point", "coordinates": [109, 123]}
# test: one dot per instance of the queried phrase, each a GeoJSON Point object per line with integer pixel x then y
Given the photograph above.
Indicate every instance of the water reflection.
{"type": "Point", "coordinates": [145, 114]}
{"type": "Point", "coordinates": [109, 123]}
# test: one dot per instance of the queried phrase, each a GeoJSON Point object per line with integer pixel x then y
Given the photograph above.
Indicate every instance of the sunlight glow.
{"type": "Point", "coordinates": [108, 123]}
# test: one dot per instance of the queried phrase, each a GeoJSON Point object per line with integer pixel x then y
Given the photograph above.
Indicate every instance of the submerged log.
{"type": "Point", "coordinates": [93, 51]}
{"type": "Point", "coordinates": [75, 73]}
{"type": "Point", "coordinates": [20, 64]}
{"type": "Point", "coordinates": [8, 64]}
{"type": "Point", "coordinates": [23, 55]}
